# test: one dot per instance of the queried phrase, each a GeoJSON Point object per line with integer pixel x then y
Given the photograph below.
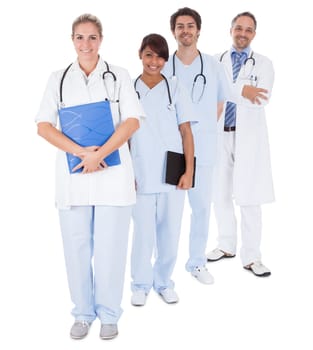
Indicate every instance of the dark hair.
{"type": "Point", "coordinates": [242, 14]}
{"type": "Point", "coordinates": [157, 43]}
{"type": "Point", "coordinates": [185, 11]}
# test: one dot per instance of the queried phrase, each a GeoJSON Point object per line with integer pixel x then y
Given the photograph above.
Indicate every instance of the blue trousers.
{"type": "Point", "coordinates": [99, 233]}
{"type": "Point", "coordinates": [157, 223]}
{"type": "Point", "coordinates": [200, 198]}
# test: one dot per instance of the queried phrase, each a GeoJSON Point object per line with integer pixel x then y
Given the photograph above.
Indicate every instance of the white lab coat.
{"type": "Point", "coordinates": [114, 185]}
{"type": "Point", "coordinates": [252, 180]}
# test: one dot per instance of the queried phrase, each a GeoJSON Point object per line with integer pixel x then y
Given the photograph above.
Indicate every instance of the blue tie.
{"type": "Point", "coordinates": [230, 113]}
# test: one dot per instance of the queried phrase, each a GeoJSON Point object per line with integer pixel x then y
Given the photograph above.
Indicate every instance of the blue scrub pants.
{"type": "Point", "coordinates": [157, 223]}
{"type": "Point", "coordinates": [200, 198]}
{"type": "Point", "coordinates": [99, 232]}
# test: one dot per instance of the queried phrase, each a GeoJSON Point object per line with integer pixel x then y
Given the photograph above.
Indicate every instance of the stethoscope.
{"type": "Point", "coordinates": [105, 73]}
{"type": "Point", "coordinates": [249, 61]}
{"type": "Point", "coordinates": [197, 76]}
{"type": "Point", "coordinates": [170, 105]}
{"type": "Point", "coordinates": [109, 72]}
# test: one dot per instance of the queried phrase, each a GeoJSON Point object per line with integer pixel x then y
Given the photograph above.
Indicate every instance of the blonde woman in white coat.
{"type": "Point", "coordinates": [94, 205]}
{"type": "Point", "coordinates": [244, 169]}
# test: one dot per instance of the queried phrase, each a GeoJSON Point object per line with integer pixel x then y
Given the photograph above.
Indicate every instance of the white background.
{"type": "Point", "coordinates": [239, 311]}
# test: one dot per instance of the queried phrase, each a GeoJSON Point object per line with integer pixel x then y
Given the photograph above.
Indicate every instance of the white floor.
{"type": "Point", "coordinates": [239, 311]}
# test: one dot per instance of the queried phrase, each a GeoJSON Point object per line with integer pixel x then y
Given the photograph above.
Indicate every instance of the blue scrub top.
{"type": "Point", "coordinates": [216, 90]}
{"type": "Point", "coordinates": [158, 133]}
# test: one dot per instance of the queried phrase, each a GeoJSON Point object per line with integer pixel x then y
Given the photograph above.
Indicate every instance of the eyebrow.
{"type": "Point", "coordinates": [89, 35]}
{"type": "Point", "coordinates": [181, 24]}
{"type": "Point", "coordinates": [243, 27]}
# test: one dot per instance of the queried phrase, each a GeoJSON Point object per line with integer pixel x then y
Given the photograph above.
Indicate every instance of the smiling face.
{"type": "Point", "coordinates": [186, 32]}
{"type": "Point", "coordinates": [242, 32]}
{"type": "Point", "coordinates": [87, 40]}
{"type": "Point", "coordinates": [151, 61]}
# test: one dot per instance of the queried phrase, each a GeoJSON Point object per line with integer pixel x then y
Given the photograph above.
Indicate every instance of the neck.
{"type": "Point", "coordinates": [151, 80]}
{"type": "Point", "coordinates": [88, 66]}
{"type": "Point", "coordinates": [187, 54]}
{"type": "Point", "coordinates": [240, 49]}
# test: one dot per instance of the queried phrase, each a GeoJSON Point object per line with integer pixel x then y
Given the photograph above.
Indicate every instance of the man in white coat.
{"type": "Point", "coordinates": [244, 169]}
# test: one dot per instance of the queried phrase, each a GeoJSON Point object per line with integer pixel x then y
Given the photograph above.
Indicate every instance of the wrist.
{"type": "Point", "coordinates": [77, 150]}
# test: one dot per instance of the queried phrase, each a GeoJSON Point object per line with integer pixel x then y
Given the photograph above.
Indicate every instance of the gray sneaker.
{"type": "Point", "coordinates": [79, 329]}
{"type": "Point", "coordinates": [108, 331]}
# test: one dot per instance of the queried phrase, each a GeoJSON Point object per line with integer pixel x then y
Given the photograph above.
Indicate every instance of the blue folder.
{"type": "Point", "coordinates": [88, 125]}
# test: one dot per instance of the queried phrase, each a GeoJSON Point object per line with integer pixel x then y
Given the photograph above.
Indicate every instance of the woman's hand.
{"type": "Point", "coordinates": [185, 182]}
{"type": "Point", "coordinates": [91, 160]}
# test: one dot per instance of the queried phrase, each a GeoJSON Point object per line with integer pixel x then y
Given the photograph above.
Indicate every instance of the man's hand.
{"type": "Point", "coordinates": [254, 94]}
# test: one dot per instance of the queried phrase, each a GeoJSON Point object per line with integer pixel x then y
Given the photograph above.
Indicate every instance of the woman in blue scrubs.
{"type": "Point", "coordinates": [158, 211]}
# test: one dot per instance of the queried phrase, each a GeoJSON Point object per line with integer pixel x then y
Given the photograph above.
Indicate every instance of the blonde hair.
{"type": "Point", "coordinates": [85, 18]}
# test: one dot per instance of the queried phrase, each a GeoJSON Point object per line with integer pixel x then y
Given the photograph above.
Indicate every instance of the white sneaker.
{"type": "Point", "coordinates": [218, 254]}
{"type": "Point", "coordinates": [169, 295]}
{"type": "Point", "coordinates": [202, 275]}
{"type": "Point", "coordinates": [258, 269]}
{"type": "Point", "coordinates": [139, 298]}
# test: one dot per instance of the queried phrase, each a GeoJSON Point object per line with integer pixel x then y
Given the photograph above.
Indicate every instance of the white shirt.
{"type": "Point", "coordinates": [113, 186]}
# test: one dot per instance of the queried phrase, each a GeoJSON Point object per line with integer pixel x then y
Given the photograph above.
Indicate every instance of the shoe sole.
{"type": "Point", "coordinates": [222, 257]}
{"type": "Point", "coordinates": [138, 305]}
{"type": "Point", "coordinates": [207, 283]}
{"type": "Point", "coordinates": [109, 337]}
{"type": "Point", "coordinates": [170, 302]}
{"type": "Point", "coordinates": [78, 338]}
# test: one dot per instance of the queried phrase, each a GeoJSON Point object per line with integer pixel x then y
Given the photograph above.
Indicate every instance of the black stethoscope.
{"type": "Point", "coordinates": [170, 105]}
{"type": "Point", "coordinates": [107, 72]}
{"type": "Point", "coordinates": [197, 76]}
{"type": "Point", "coordinates": [245, 64]}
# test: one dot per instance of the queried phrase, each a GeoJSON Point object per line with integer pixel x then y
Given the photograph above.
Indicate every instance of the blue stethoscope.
{"type": "Point", "coordinates": [170, 105]}
{"type": "Point", "coordinates": [197, 76]}
{"type": "Point", "coordinates": [249, 61]}
{"type": "Point", "coordinates": [105, 73]}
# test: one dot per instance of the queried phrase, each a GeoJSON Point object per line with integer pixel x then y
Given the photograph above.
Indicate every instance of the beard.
{"type": "Point", "coordinates": [242, 42]}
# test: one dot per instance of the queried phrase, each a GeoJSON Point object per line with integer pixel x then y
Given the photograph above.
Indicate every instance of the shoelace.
{"type": "Point", "coordinates": [201, 268]}
{"type": "Point", "coordinates": [82, 323]}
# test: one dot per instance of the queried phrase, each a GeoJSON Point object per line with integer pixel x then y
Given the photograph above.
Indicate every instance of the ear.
{"type": "Point", "coordinates": [139, 54]}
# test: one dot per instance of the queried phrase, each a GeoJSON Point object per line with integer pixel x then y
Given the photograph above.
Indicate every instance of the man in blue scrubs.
{"type": "Point", "coordinates": [208, 94]}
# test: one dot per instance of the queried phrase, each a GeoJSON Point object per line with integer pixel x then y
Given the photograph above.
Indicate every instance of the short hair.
{"type": "Point", "coordinates": [246, 14]}
{"type": "Point", "coordinates": [85, 18]}
{"type": "Point", "coordinates": [185, 11]}
{"type": "Point", "coordinates": [157, 43]}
